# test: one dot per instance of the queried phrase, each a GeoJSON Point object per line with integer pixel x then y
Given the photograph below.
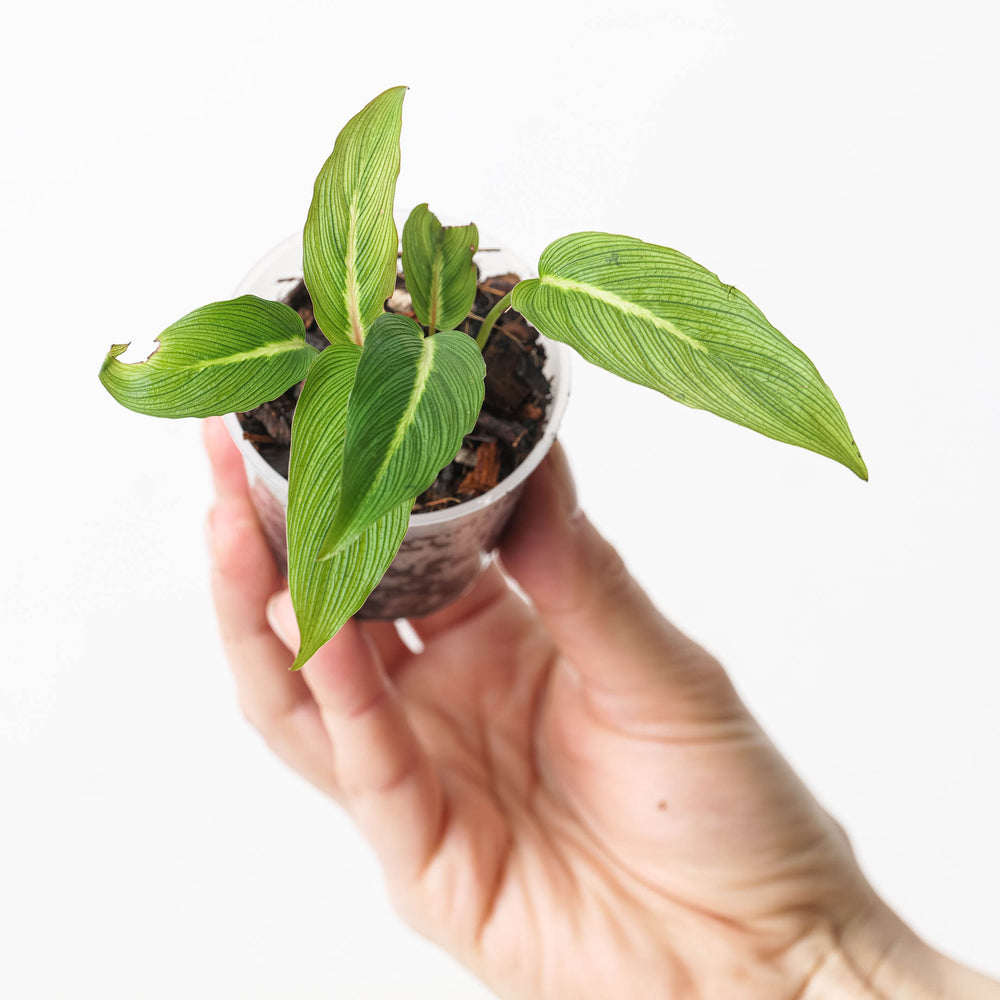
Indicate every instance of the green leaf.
{"type": "Point", "coordinates": [325, 594]}
{"type": "Point", "coordinates": [413, 401]}
{"type": "Point", "coordinates": [654, 316]}
{"type": "Point", "coordinates": [350, 243]}
{"type": "Point", "coordinates": [227, 357]}
{"type": "Point", "coordinates": [440, 275]}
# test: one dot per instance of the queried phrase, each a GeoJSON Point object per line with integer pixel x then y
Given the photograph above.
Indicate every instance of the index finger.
{"type": "Point", "coordinates": [244, 577]}
{"type": "Point", "coordinates": [228, 473]}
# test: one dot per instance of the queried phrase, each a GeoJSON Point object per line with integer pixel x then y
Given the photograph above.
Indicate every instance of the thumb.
{"type": "Point", "coordinates": [628, 656]}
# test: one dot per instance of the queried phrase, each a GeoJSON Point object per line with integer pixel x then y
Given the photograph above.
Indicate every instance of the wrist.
{"type": "Point", "coordinates": [879, 957]}
{"type": "Point", "coordinates": [873, 958]}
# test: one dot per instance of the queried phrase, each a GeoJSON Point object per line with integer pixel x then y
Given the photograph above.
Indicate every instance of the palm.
{"type": "Point", "coordinates": [552, 804]}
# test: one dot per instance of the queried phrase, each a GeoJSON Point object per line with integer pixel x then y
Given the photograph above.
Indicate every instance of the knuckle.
{"type": "Point", "coordinates": [267, 723]}
{"type": "Point", "coordinates": [605, 579]}
{"type": "Point", "coordinates": [610, 571]}
{"type": "Point", "coordinates": [599, 578]}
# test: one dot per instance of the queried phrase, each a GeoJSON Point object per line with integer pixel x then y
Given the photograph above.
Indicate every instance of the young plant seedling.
{"type": "Point", "coordinates": [385, 406]}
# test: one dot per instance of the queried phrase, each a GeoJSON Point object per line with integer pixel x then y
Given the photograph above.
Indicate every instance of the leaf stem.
{"type": "Point", "coordinates": [491, 317]}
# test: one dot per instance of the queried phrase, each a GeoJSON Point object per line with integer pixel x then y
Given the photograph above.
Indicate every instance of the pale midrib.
{"type": "Point", "coordinates": [406, 421]}
{"type": "Point", "coordinates": [348, 527]}
{"type": "Point", "coordinates": [353, 290]}
{"type": "Point", "coordinates": [265, 351]}
{"type": "Point", "coordinates": [622, 305]}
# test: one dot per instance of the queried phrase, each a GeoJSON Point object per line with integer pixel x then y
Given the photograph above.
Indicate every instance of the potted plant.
{"type": "Point", "coordinates": [387, 402]}
{"type": "Point", "coordinates": [458, 520]}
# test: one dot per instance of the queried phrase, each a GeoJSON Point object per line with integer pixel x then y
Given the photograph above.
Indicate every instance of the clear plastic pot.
{"type": "Point", "coordinates": [445, 550]}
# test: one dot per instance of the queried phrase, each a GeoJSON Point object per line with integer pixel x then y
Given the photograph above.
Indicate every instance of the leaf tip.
{"type": "Point", "coordinates": [849, 455]}
{"type": "Point", "coordinates": [109, 361]}
{"type": "Point", "coordinates": [396, 93]}
{"type": "Point", "coordinates": [304, 655]}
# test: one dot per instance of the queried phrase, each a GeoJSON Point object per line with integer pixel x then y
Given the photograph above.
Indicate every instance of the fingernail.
{"type": "Point", "coordinates": [281, 618]}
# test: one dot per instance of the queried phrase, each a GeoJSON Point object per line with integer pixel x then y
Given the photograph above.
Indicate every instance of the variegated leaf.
{"type": "Point", "coordinates": [654, 316]}
{"type": "Point", "coordinates": [326, 593]}
{"type": "Point", "coordinates": [413, 401]}
{"type": "Point", "coordinates": [440, 274]}
{"type": "Point", "coordinates": [350, 244]}
{"type": "Point", "coordinates": [226, 357]}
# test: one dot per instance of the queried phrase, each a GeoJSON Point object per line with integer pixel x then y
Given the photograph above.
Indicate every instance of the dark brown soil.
{"type": "Point", "coordinates": [509, 425]}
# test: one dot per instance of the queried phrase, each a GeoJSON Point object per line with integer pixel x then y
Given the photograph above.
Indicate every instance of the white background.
{"type": "Point", "coordinates": [837, 162]}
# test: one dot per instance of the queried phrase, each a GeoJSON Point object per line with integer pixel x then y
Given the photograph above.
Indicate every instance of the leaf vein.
{"type": "Point", "coordinates": [622, 305]}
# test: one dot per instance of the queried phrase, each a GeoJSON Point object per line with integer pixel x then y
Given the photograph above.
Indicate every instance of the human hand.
{"type": "Point", "coordinates": [569, 795]}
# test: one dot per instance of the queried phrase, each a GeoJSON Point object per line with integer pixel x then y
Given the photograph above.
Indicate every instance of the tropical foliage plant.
{"type": "Point", "coordinates": [385, 406]}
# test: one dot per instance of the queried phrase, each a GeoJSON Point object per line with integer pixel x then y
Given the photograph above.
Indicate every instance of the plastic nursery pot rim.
{"type": "Point", "coordinates": [278, 484]}
{"type": "Point", "coordinates": [281, 265]}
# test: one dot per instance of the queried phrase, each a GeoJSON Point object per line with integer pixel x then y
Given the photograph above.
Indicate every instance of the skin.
{"type": "Point", "coordinates": [566, 794]}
